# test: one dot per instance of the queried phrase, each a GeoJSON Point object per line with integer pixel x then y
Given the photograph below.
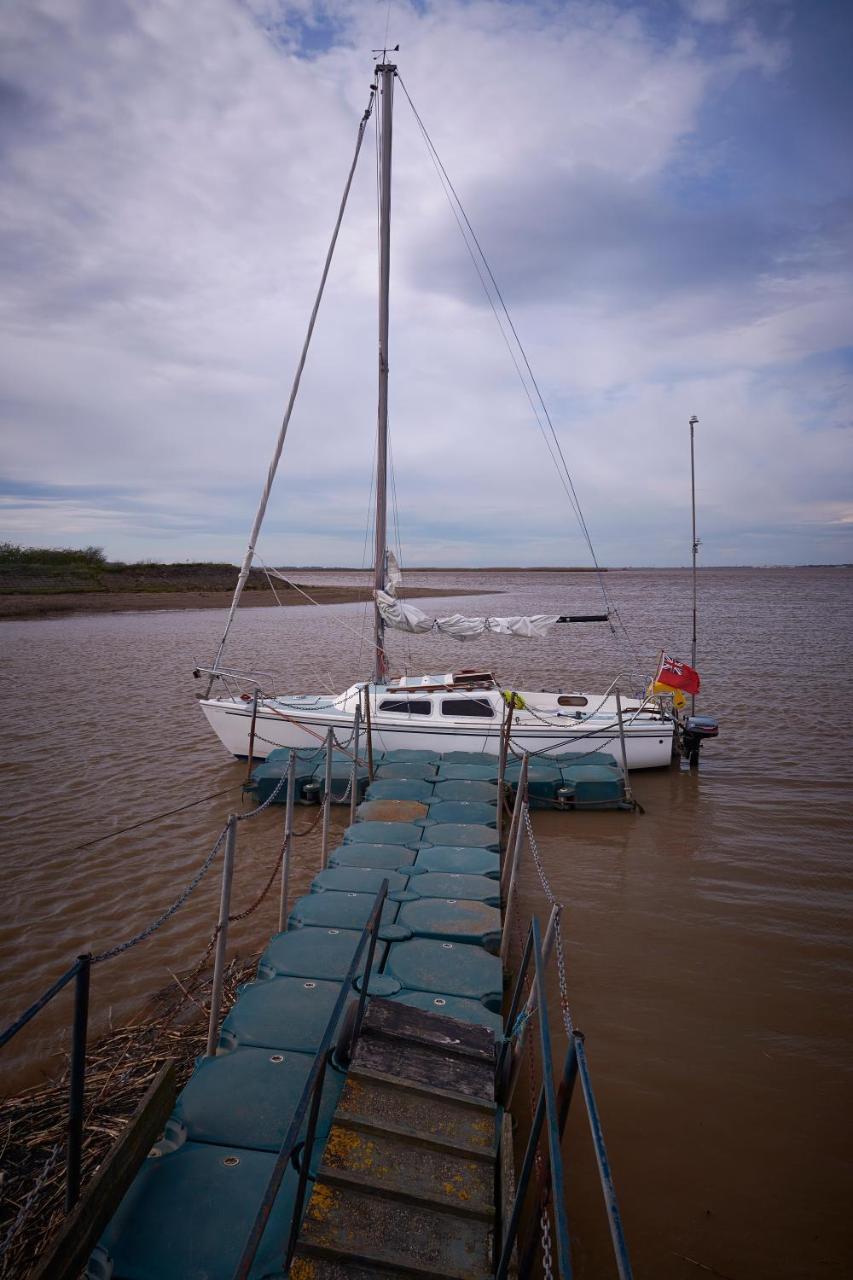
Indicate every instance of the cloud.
{"type": "Point", "coordinates": [171, 176]}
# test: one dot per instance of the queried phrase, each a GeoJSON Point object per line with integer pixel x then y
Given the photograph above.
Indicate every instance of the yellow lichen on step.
{"type": "Point", "coordinates": [321, 1203]}
{"type": "Point", "coordinates": [303, 1269]}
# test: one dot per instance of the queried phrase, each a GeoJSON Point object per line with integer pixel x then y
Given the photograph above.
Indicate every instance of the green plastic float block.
{"type": "Point", "coordinates": [567, 759]}
{"type": "Point", "coordinates": [483, 772]}
{"type": "Point", "coordinates": [401, 833]}
{"type": "Point", "coordinates": [448, 884]}
{"type": "Point", "coordinates": [372, 855]}
{"type": "Point", "coordinates": [266, 777]}
{"type": "Point", "coordinates": [452, 1007]}
{"type": "Point", "coordinates": [248, 1098]}
{"type": "Point", "coordinates": [341, 777]}
{"type": "Point", "coordinates": [467, 757]}
{"type": "Point", "coordinates": [595, 786]}
{"type": "Point", "coordinates": [358, 880]}
{"type": "Point", "coordinates": [346, 910]}
{"type": "Point", "coordinates": [537, 771]}
{"type": "Point", "coordinates": [281, 1013]}
{"type": "Point", "coordinates": [477, 862]}
{"type": "Point", "coordinates": [405, 772]}
{"type": "Point", "coordinates": [467, 789]}
{"type": "Point", "coordinates": [467, 811]}
{"type": "Point", "coordinates": [447, 968]}
{"type": "Point", "coordinates": [406, 756]}
{"type": "Point", "coordinates": [313, 755]}
{"type": "Point", "coordinates": [460, 833]}
{"type": "Point", "coordinates": [315, 953]}
{"type": "Point", "coordinates": [381, 984]}
{"type": "Point", "coordinates": [189, 1214]}
{"type": "Point", "coordinates": [453, 920]}
{"type": "Point", "coordinates": [391, 811]}
{"type": "Point", "coordinates": [400, 789]}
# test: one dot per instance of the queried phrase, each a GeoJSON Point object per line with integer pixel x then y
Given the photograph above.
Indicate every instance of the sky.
{"type": "Point", "coordinates": [664, 193]}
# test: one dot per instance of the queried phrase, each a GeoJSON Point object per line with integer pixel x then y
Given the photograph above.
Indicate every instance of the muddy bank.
{"type": "Point", "coordinates": [56, 603]}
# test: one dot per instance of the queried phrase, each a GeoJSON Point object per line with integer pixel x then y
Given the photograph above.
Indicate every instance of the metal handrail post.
{"type": "Point", "coordinates": [515, 860]}
{"type": "Point", "coordinates": [530, 1005]}
{"type": "Point", "coordinates": [288, 841]}
{"type": "Point", "coordinates": [512, 1011]}
{"type": "Point", "coordinates": [356, 734]}
{"type": "Point", "coordinates": [564, 1260]}
{"type": "Point", "coordinates": [252, 735]}
{"type": "Point", "coordinates": [221, 937]}
{"type": "Point", "coordinates": [521, 1188]}
{"type": "Point", "coordinates": [77, 1084]}
{"type": "Point", "coordinates": [305, 1163]}
{"type": "Point", "coordinates": [290, 1138]}
{"type": "Point", "coordinates": [327, 798]}
{"type": "Point", "coordinates": [614, 1217]}
{"type": "Point", "coordinates": [516, 815]}
{"type": "Point", "coordinates": [505, 732]}
{"type": "Point", "coordinates": [369, 728]}
{"type": "Point", "coordinates": [628, 793]}
{"type": "Point", "coordinates": [564, 1098]}
{"type": "Point", "coordinates": [368, 968]}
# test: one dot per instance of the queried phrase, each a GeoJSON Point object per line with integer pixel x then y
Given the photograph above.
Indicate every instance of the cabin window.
{"type": "Point", "coordinates": [407, 706]}
{"type": "Point", "coordinates": [467, 707]}
{"type": "Point", "coordinates": [572, 700]}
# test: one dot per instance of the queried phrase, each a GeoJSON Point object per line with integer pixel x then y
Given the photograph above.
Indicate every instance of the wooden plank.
{"type": "Point", "coordinates": [423, 1065]}
{"type": "Point", "coordinates": [394, 1018]}
{"type": "Point", "coordinates": [66, 1255]}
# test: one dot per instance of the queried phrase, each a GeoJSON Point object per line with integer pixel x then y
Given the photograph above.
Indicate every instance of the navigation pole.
{"type": "Point", "coordinates": [693, 422]}
{"type": "Point", "coordinates": [385, 73]}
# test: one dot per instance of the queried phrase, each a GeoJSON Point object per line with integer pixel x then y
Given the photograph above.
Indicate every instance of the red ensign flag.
{"type": "Point", "coordinates": [677, 675]}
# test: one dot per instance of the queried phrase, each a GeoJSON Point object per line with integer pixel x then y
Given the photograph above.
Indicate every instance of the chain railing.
{"type": "Point", "coordinates": [79, 973]}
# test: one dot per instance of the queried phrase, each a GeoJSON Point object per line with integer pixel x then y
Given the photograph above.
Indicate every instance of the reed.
{"type": "Point", "coordinates": [119, 1069]}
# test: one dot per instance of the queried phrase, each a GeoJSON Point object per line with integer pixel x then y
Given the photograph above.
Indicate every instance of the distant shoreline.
{"type": "Point", "coordinates": [29, 605]}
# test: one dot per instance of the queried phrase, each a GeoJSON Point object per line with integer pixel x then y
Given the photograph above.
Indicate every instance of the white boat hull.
{"type": "Point", "coordinates": [648, 733]}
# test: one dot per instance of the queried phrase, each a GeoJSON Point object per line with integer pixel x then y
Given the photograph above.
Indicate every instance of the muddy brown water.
{"type": "Point", "coordinates": [708, 940]}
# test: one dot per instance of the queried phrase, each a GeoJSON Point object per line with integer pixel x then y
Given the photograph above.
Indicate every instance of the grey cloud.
{"type": "Point", "coordinates": [588, 234]}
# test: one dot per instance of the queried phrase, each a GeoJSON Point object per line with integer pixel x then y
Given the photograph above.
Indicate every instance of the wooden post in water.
{"type": "Point", "coordinates": [628, 793]}
{"type": "Point", "coordinates": [356, 734]}
{"type": "Point", "coordinates": [327, 798]}
{"type": "Point", "coordinates": [288, 841]}
{"type": "Point", "coordinates": [221, 937]}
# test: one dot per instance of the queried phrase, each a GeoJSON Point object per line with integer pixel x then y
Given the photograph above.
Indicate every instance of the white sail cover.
{"type": "Point", "coordinates": [405, 617]}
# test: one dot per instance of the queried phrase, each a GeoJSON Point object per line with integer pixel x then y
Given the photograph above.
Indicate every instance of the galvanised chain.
{"type": "Point", "coordinates": [547, 1265]}
{"type": "Point", "coordinates": [169, 912]}
{"type": "Point", "coordinates": [253, 813]}
{"type": "Point", "coordinates": [568, 1022]}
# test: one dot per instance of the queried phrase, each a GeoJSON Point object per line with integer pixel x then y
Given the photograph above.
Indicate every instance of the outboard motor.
{"type": "Point", "coordinates": [694, 731]}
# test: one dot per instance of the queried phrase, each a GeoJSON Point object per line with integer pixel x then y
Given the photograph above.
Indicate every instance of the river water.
{"type": "Point", "coordinates": [708, 939]}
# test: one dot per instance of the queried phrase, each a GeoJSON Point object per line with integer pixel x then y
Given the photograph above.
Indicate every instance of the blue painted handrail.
{"type": "Point", "coordinates": [553, 1107]}
{"type": "Point", "coordinates": [311, 1095]}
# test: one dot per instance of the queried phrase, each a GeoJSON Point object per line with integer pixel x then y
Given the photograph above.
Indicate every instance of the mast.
{"type": "Point", "coordinates": [693, 421]}
{"type": "Point", "coordinates": [386, 73]}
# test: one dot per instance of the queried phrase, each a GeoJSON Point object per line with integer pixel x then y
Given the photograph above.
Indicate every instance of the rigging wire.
{"type": "Point", "coordinates": [499, 308]}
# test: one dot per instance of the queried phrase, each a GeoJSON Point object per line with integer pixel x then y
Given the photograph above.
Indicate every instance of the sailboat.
{"type": "Point", "coordinates": [445, 711]}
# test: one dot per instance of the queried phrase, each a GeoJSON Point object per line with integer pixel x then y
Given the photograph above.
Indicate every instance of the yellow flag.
{"type": "Point", "coordinates": [678, 699]}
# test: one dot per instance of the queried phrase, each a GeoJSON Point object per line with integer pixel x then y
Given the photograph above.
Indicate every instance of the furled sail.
{"type": "Point", "coordinates": [405, 617]}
